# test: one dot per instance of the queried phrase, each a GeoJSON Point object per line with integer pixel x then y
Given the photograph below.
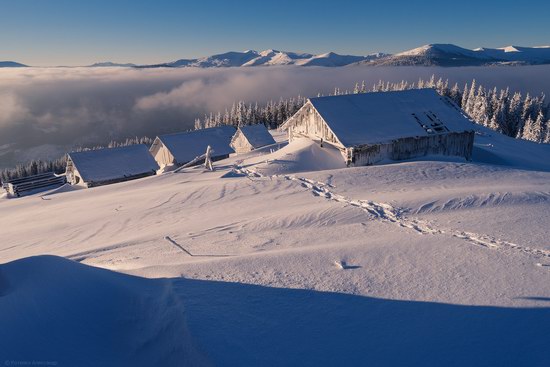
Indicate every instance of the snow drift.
{"type": "Point", "coordinates": [56, 310]}
{"type": "Point", "coordinates": [301, 155]}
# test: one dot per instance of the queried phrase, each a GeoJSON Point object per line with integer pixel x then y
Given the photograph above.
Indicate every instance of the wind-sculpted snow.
{"type": "Point", "coordinates": [491, 199]}
{"type": "Point", "coordinates": [388, 213]}
{"type": "Point", "coordinates": [57, 311]}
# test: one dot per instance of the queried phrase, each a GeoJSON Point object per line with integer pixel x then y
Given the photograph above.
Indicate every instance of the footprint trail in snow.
{"type": "Point", "coordinates": [388, 213]}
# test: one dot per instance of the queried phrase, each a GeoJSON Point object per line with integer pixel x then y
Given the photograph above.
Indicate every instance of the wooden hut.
{"type": "Point", "coordinates": [181, 148]}
{"type": "Point", "coordinates": [372, 127]}
{"type": "Point", "coordinates": [106, 166]}
{"type": "Point", "coordinates": [250, 137]}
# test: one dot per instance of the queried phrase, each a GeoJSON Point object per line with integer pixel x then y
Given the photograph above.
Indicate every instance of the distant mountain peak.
{"type": "Point", "coordinates": [441, 54]}
{"type": "Point", "coordinates": [510, 49]}
{"type": "Point", "coordinates": [111, 64]}
{"type": "Point", "coordinates": [435, 48]}
{"type": "Point", "coordinates": [11, 64]}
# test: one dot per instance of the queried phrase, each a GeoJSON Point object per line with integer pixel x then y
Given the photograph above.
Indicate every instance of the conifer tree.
{"type": "Point", "coordinates": [454, 94]}
{"type": "Point", "coordinates": [546, 139]}
{"type": "Point", "coordinates": [533, 129]}
{"type": "Point", "coordinates": [513, 121]}
{"type": "Point", "coordinates": [469, 107]}
{"type": "Point", "coordinates": [479, 109]}
{"type": "Point", "coordinates": [465, 94]}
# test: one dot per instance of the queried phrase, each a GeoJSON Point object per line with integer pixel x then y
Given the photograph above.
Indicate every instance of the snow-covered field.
{"type": "Point", "coordinates": [288, 259]}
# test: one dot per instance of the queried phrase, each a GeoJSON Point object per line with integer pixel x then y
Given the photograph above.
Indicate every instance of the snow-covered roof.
{"type": "Point", "coordinates": [187, 146]}
{"type": "Point", "coordinates": [112, 163]}
{"type": "Point", "coordinates": [370, 118]}
{"type": "Point", "coordinates": [257, 135]}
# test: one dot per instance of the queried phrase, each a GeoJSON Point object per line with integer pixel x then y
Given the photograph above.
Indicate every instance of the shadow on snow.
{"type": "Point", "coordinates": [248, 325]}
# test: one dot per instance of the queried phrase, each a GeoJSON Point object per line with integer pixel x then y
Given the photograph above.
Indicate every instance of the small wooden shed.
{"type": "Point", "coordinates": [33, 184]}
{"type": "Point", "coordinates": [111, 165]}
{"type": "Point", "coordinates": [181, 148]}
{"type": "Point", "coordinates": [372, 127]}
{"type": "Point", "coordinates": [250, 137]}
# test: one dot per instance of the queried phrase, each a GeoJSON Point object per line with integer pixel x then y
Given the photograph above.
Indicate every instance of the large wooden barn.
{"type": "Point", "coordinates": [250, 137]}
{"type": "Point", "coordinates": [106, 166]}
{"type": "Point", "coordinates": [372, 127]}
{"type": "Point", "coordinates": [181, 148]}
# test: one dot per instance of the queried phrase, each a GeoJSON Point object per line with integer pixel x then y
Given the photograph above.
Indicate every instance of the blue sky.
{"type": "Point", "coordinates": [74, 32]}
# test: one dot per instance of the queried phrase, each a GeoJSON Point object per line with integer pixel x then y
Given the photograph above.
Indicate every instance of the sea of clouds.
{"type": "Point", "coordinates": [45, 112]}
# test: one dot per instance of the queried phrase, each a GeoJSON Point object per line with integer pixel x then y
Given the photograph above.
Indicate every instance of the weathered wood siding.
{"type": "Point", "coordinates": [76, 179]}
{"type": "Point", "coordinates": [161, 154]}
{"type": "Point", "coordinates": [449, 144]}
{"type": "Point", "coordinates": [240, 143]}
{"type": "Point", "coordinates": [308, 123]}
{"type": "Point", "coordinates": [73, 176]}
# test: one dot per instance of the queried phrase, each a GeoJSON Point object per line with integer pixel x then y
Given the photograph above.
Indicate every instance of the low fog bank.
{"type": "Point", "coordinates": [45, 112]}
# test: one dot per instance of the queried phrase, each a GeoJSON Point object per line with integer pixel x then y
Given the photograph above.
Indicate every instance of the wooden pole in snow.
{"type": "Point", "coordinates": [208, 159]}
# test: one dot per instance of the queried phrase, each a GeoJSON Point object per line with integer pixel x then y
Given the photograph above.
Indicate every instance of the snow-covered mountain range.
{"type": "Point", "coordinates": [427, 55]}
{"type": "Point", "coordinates": [269, 58]}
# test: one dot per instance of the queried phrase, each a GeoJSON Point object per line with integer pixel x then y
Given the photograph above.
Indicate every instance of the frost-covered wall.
{"type": "Point", "coordinates": [448, 144]}
{"type": "Point", "coordinates": [161, 154]}
{"type": "Point", "coordinates": [73, 176]}
{"type": "Point", "coordinates": [308, 123]}
{"type": "Point", "coordinates": [240, 143]}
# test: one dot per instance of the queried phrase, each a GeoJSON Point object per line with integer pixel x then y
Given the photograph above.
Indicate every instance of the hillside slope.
{"type": "Point", "coordinates": [283, 257]}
